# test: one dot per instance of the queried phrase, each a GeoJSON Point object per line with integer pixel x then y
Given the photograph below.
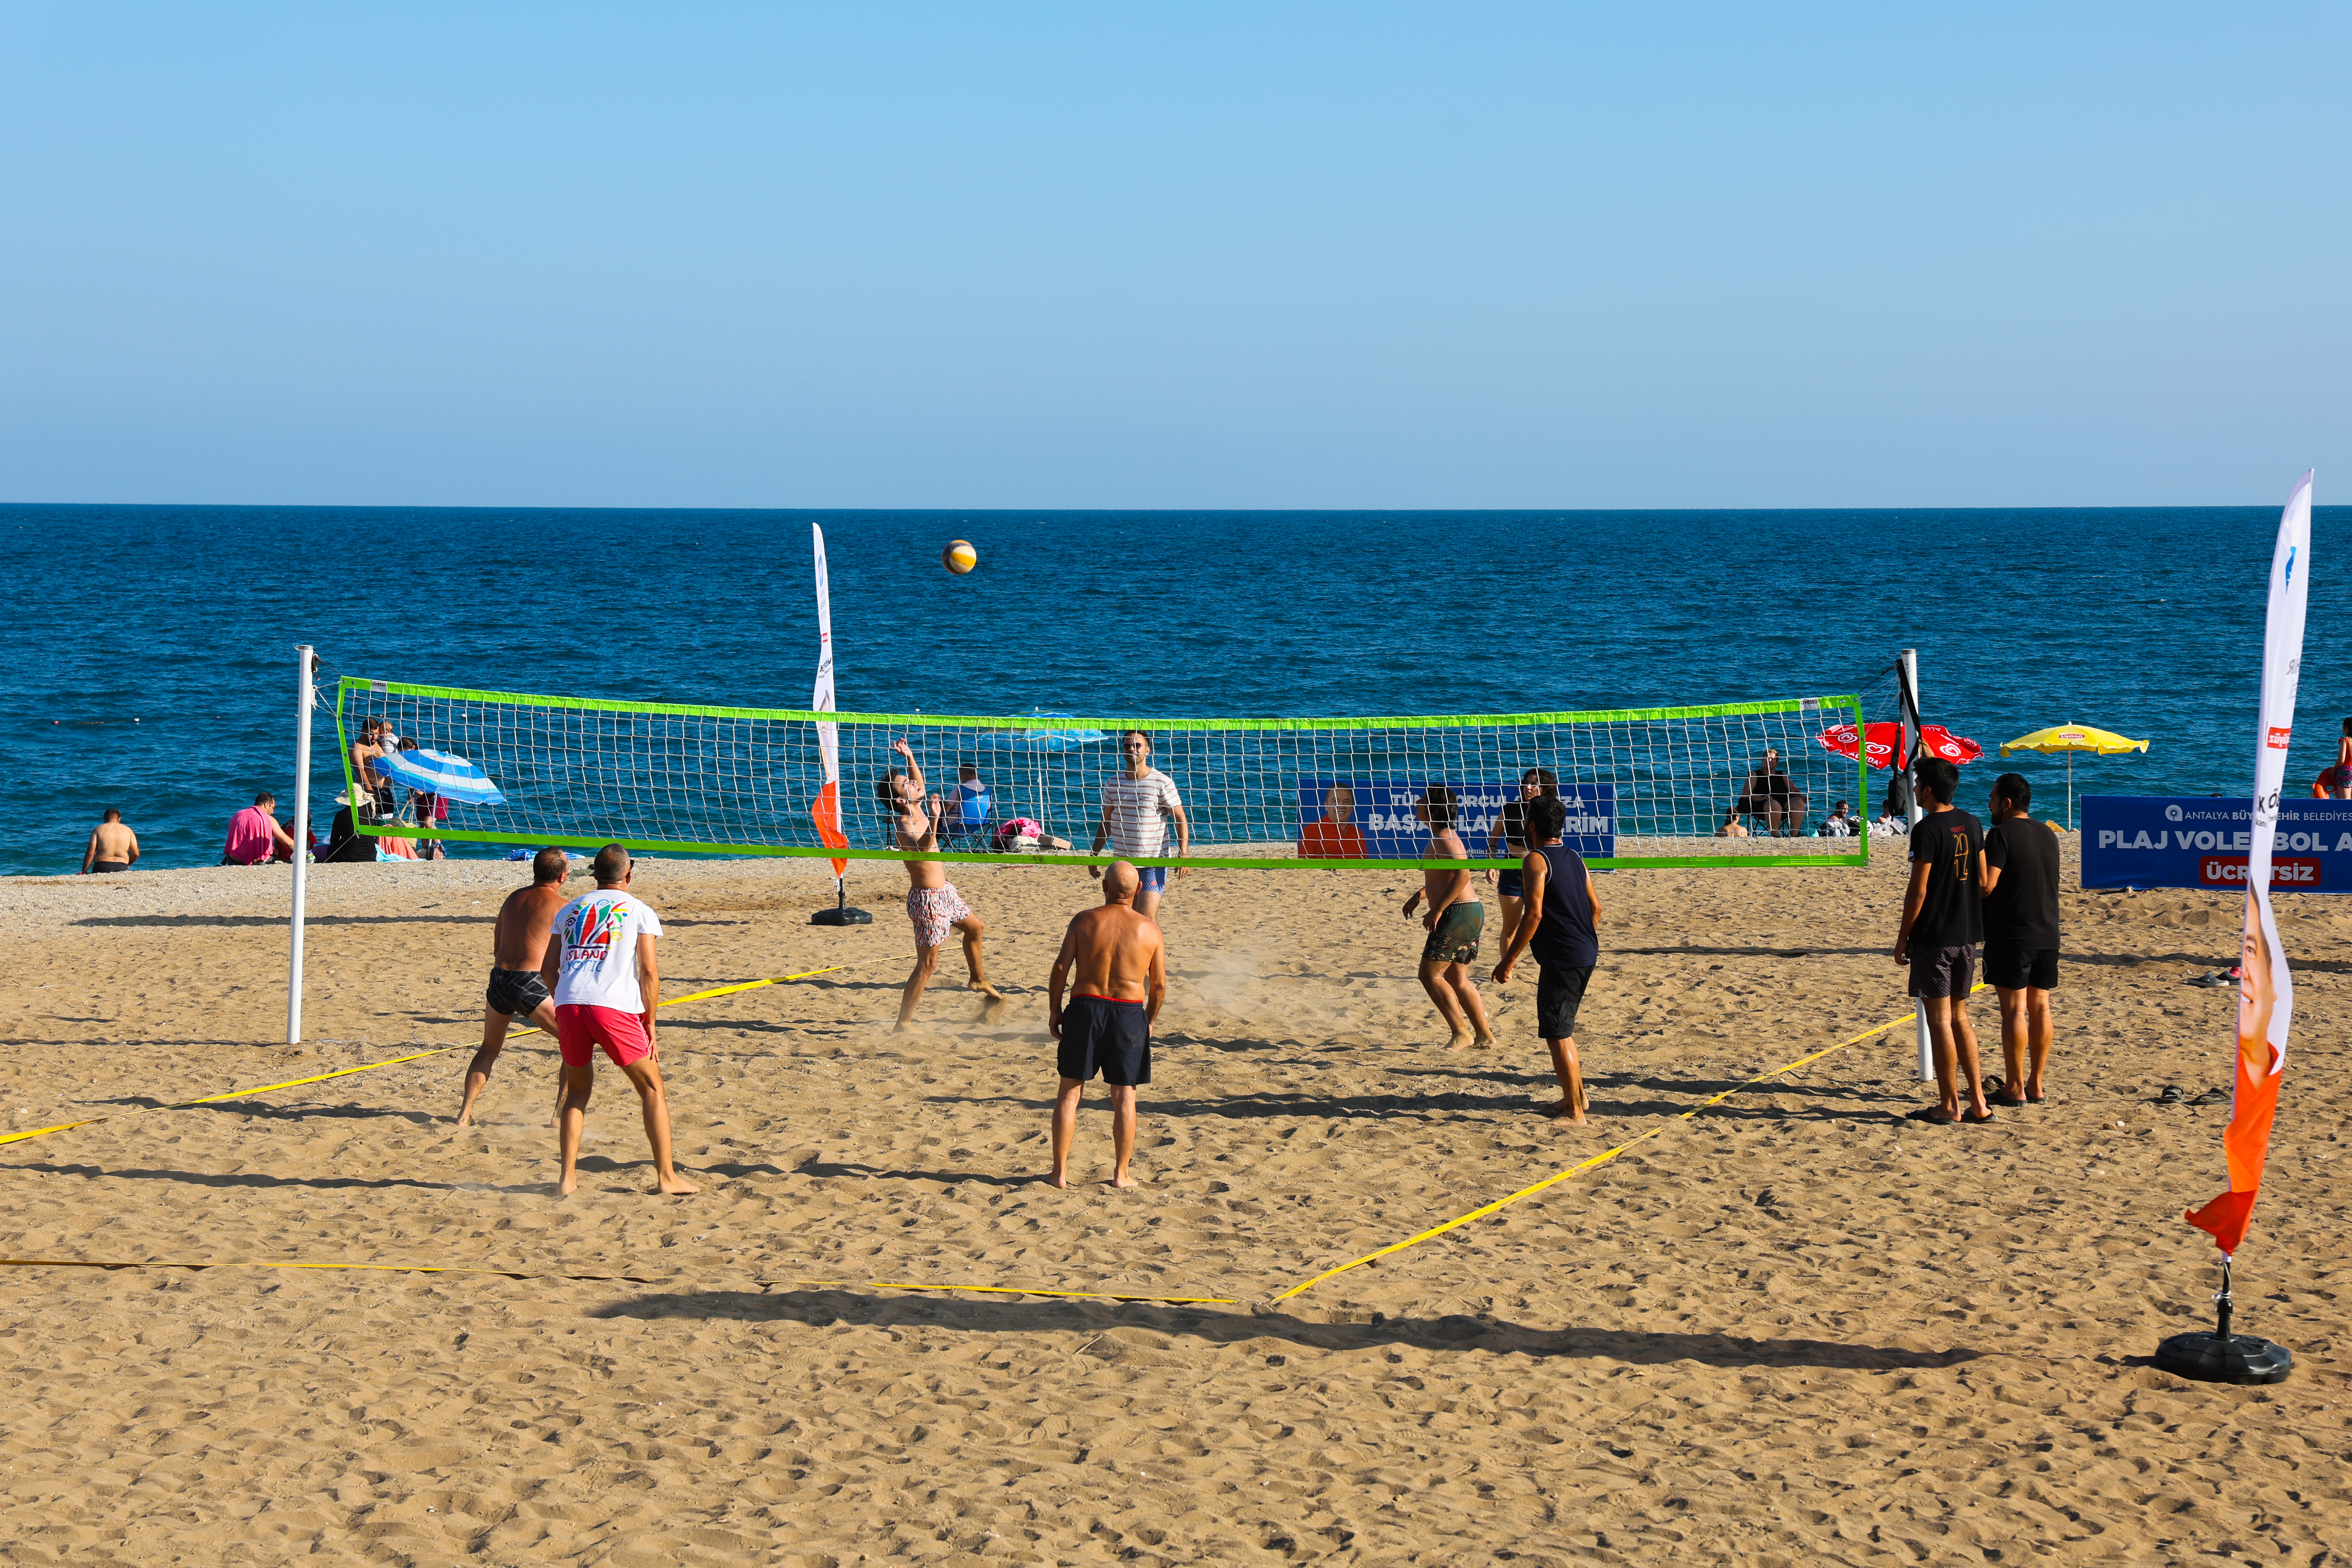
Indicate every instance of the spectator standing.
{"type": "Point", "coordinates": [1943, 920]}
{"type": "Point", "coordinates": [2020, 928]}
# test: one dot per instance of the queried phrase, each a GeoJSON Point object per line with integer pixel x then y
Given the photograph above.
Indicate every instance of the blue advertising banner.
{"type": "Point", "coordinates": [2200, 841]}
{"type": "Point", "coordinates": [1372, 819]}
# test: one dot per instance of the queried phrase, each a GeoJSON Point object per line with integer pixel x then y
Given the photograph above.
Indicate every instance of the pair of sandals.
{"type": "Point", "coordinates": [2173, 1095]}
{"type": "Point", "coordinates": [1933, 1115]}
{"type": "Point", "coordinates": [1997, 1092]}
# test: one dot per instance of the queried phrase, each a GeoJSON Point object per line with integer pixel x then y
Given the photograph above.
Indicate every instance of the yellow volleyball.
{"type": "Point", "coordinates": [959, 557]}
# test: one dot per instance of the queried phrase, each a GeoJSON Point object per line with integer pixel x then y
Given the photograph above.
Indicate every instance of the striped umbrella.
{"type": "Point", "coordinates": [438, 773]}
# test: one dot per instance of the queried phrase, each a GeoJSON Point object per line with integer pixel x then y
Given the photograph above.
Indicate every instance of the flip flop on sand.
{"type": "Point", "coordinates": [1971, 1118]}
{"type": "Point", "coordinates": [1931, 1114]}
{"type": "Point", "coordinates": [2211, 1097]}
{"type": "Point", "coordinates": [2171, 1095]}
{"type": "Point", "coordinates": [1997, 1093]}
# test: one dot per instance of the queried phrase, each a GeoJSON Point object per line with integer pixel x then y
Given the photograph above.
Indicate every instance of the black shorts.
{"type": "Point", "coordinates": [516, 993]}
{"type": "Point", "coordinates": [1559, 992]}
{"type": "Point", "coordinates": [2012, 967]}
{"type": "Point", "coordinates": [1099, 1035]}
{"type": "Point", "coordinates": [1942, 972]}
{"type": "Point", "coordinates": [1510, 884]}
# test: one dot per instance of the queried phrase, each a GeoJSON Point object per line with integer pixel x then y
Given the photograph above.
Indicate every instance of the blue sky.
{"type": "Point", "coordinates": [1182, 256]}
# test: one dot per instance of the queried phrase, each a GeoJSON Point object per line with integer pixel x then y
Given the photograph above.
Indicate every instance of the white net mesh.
{"type": "Point", "coordinates": [1731, 783]}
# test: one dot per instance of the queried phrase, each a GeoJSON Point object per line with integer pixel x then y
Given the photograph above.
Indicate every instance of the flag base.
{"type": "Point", "coordinates": [841, 914]}
{"type": "Point", "coordinates": [2221, 1356]}
{"type": "Point", "coordinates": [2210, 1357]}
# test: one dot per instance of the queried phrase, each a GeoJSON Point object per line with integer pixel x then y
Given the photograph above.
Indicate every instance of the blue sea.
{"type": "Point", "coordinates": [149, 655]}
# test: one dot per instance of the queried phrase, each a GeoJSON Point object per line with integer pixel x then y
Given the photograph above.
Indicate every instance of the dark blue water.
{"type": "Point", "coordinates": [148, 653]}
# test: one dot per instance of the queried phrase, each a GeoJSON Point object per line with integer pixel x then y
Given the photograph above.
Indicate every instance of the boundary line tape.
{"type": "Point", "coordinates": [1598, 1159]}
{"type": "Point", "coordinates": [617, 1279]}
{"type": "Point", "coordinates": [396, 1061]}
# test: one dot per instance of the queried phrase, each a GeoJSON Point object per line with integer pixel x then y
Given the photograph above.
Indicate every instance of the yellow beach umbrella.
{"type": "Point", "coordinates": [2070, 739]}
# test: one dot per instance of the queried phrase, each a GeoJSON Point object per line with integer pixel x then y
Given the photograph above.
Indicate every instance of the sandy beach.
{"type": "Point", "coordinates": [1793, 1328]}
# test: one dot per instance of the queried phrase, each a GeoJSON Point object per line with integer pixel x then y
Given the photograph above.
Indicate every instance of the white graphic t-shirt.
{"type": "Point", "coordinates": [598, 934]}
{"type": "Point", "coordinates": [1138, 808]}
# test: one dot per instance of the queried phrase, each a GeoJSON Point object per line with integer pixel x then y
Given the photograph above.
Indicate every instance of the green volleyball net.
{"type": "Point", "coordinates": [1738, 784]}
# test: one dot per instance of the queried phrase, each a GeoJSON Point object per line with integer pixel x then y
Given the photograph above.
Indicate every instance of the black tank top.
{"type": "Point", "coordinates": [1565, 936]}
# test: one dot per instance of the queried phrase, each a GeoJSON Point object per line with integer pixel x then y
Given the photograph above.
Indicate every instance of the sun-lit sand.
{"type": "Point", "coordinates": [1794, 1330]}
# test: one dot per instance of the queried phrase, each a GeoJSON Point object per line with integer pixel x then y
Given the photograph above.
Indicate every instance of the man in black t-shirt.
{"type": "Point", "coordinates": [2021, 922]}
{"type": "Point", "coordinates": [1943, 922]}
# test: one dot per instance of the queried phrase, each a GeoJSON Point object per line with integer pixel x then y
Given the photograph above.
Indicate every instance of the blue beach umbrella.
{"type": "Point", "coordinates": [1053, 740]}
{"type": "Point", "coordinates": [438, 773]}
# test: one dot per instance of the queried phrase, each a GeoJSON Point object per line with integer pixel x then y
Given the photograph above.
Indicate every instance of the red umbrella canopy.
{"type": "Point", "coordinates": [1885, 740]}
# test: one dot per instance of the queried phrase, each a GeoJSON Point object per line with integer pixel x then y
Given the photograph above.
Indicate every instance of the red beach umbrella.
{"type": "Point", "coordinates": [1884, 742]}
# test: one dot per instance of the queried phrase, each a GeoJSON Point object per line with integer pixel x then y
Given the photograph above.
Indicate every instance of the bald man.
{"type": "Point", "coordinates": [1117, 967]}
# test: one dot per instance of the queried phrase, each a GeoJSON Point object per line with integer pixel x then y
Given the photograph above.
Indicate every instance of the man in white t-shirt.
{"type": "Point", "coordinates": [599, 967]}
{"type": "Point", "coordinates": [1137, 808]}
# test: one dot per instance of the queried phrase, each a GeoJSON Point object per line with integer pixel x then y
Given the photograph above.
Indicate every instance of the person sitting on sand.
{"type": "Point", "coordinates": [933, 906]}
{"type": "Point", "coordinates": [112, 846]}
{"type": "Point", "coordinates": [517, 951]}
{"type": "Point", "coordinates": [1731, 826]}
{"type": "Point", "coordinates": [1943, 920]}
{"type": "Point", "coordinates": [600, 968]}
{"type": "Point", "coordinates": [1116, 963]}
{"type": "Point", "coordinates": [1454, 922]}
{"type": "Point", "coordinates": [255, 835]}
{"type": "Point", "coordinates": [1561, 928]}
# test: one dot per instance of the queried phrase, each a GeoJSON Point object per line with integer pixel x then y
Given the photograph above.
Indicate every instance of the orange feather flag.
{"type": "Point", "coordinates": [2265, 989]}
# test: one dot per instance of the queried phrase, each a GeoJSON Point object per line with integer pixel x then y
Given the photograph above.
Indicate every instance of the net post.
{"type": "Point", "coordinates": [1912, 814]}
{"type": "Point", "coordinates": [305, 662]}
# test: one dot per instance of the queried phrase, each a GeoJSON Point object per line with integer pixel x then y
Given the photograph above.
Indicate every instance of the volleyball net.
{"type": "Point", "coordinates": [1739, 784]}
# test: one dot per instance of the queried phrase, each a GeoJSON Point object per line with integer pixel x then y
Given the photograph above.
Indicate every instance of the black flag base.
{"type": "Point", "coordinates": [841, 914]}
{"type": "Point", "coordinates": [2222, 1356]}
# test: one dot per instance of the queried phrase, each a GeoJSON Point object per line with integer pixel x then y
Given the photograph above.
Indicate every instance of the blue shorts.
{"type": "Point", "coordinates": [1151, 878]}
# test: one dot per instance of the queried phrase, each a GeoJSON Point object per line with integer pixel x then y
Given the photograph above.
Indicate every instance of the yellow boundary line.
{"type": "Point", "coordinates": [621, 1279]}
{"type": "Point", "coordinates": [1554, 1179]}
{"type": "Point", "coordinates": [393, 1062]}
{"type": "Point", "coordinates": [1598, 1159]}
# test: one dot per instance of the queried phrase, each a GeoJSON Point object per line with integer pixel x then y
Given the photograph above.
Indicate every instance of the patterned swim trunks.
{"type": "Point", "coordinates": [933, 910]}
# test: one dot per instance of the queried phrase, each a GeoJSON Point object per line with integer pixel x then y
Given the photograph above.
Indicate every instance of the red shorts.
{"type": "Point", "coordinates": [580, 1030]}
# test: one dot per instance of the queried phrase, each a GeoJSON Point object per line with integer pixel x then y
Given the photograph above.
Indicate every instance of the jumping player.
{"type": "Point", "coordinates": [1560, 927]}
{"type": "Point", "coordinates": [1116, 964]}
{"type": "Point", "coordinates": [1455, 918]}
{"type": "Point", "coordinates": [518, 949]}
{"type": "Point", "coordinates": [933, 905]}
{"type": "Point", "coordinates": [600, 965]}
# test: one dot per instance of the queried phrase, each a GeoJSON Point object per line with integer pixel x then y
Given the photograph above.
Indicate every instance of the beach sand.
{"type": "Point", "coordinates": [1794, 1329]}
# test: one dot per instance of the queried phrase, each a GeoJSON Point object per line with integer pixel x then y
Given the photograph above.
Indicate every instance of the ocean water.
{"type": "Point", "coordinates": [149, 649]}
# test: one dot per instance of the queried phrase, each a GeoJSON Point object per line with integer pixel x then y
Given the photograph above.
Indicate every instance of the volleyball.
{"type": "Point", "coordinates": [959, 557]}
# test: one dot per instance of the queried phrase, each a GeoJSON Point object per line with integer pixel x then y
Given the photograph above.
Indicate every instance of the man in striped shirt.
{"type": "Point", "coordinates": [1135, 808]}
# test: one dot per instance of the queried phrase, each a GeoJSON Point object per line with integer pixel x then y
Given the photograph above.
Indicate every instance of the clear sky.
{"type": "Point", "coordinates": [1197, 254]}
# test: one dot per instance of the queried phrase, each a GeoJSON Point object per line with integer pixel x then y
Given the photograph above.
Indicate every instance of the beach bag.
{"type": "Point", "coordinates": [1021, 833]}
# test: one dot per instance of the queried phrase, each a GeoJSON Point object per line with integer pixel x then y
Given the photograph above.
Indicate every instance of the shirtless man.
{"type": "Point", "coordinates": [517, 948]}
{"type": "Point", "coordinates": [1116, 965]}
{"type": "Point", "coordinates": [364, 751]}
{"type": "Point", "coordinates": [933, 905]}
{"type": "Point", "coordinates": [112, 846]}
{"type": "Point", "coordinates": [1454, 922]}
